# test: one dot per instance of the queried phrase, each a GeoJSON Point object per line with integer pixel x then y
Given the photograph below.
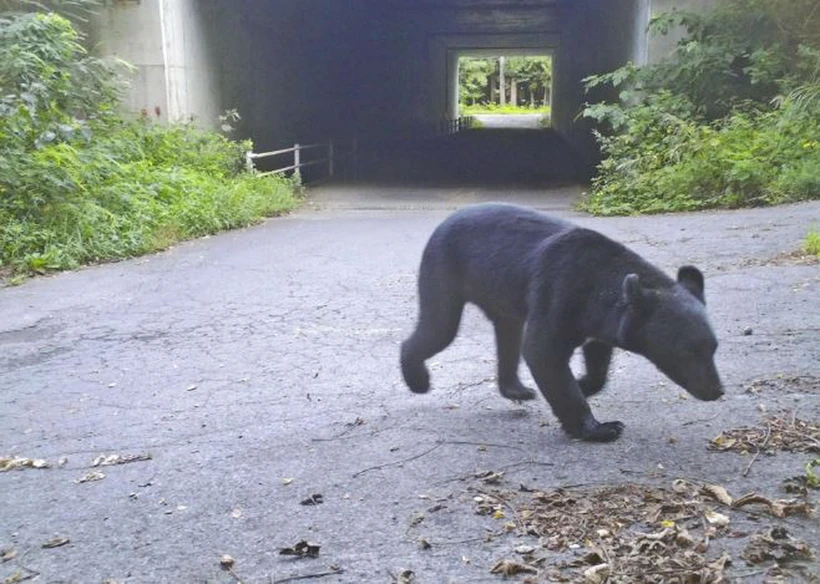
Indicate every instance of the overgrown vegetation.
{"type": "Point", "coordinates": [731, 119]}
{"type": "Point", "coordinates": [80, 183]}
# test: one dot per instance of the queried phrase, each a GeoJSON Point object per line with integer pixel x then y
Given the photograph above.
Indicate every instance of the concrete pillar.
{"type": "Point", "coordinates": [452, 84]}
{"type": "Point", "coordinates": [167, 42]}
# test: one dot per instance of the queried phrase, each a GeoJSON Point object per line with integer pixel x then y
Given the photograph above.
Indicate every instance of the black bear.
{"type": "Point", "coordinates": [549, 287]}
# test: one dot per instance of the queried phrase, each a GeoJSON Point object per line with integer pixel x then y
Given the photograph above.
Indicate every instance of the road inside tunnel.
{"type": "Point", "coordinates": [494, 156]}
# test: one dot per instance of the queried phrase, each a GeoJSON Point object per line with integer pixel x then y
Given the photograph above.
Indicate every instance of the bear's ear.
{"type": "Point", "coordinates": [690, 278]}
{"type": "Point", "coordinates": [632, 292]}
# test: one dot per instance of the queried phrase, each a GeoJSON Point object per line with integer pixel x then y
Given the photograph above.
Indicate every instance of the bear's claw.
{"type": "Point", "coordinates": [517, 391]}
{"type": "Point", "coordinates": [592, 430]}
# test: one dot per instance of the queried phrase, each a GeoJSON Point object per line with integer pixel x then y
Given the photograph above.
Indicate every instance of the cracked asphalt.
{"type": "Point", "coordinates": [259, 367]}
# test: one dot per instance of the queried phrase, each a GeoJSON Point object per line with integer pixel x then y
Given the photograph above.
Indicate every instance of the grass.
{"type": "Point", "coordinates": [137, 190]}
{"type": "Point", "coordinates": [812, 243]}
{"type": "Point", "coordinates": [490, 109]}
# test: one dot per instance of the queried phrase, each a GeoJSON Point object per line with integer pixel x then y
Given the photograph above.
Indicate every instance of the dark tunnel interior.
{"type": "Point", "coordinates": [385, 73]}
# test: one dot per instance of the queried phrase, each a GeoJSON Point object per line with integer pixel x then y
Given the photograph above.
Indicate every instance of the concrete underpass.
{"type": "Point", "coordinates": [382, 71]}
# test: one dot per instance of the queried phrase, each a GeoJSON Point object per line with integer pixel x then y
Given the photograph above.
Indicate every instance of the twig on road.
{"type": "Point", "coordinates": [397, 462]}
{"type": "Point", "coordinates": [760, 448]}
{"type": "Point", "coordinates": [698, 421]}
{"type": "Point", "coordinates": [331, 572]}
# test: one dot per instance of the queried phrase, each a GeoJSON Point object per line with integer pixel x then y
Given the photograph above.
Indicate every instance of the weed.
{"type": "Point", "coordinates": [812, 244]}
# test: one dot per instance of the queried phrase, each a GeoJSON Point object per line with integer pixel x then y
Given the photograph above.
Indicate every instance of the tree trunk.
{"type": "Point", "coordinates": [502, 83]}
{"type": "Point", "coordinates": [514, 91]}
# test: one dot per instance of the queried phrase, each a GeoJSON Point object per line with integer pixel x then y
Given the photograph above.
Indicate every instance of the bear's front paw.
{"type": "Point", "coordinates": [516, 391]}
{"type": "Point", "coordinates": [604, 432]}
{"type": "Point", "coordinates": [594, 431]}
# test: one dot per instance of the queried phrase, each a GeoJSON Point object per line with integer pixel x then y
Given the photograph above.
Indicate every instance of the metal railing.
{"type": "Point", "coordinates": [335, 151]}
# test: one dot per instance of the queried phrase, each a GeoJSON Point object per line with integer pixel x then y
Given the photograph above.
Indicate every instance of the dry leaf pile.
{"type": "Point", "coordinates": [630, 533]}
{"type": "Point", "coordinates": [776, 433]}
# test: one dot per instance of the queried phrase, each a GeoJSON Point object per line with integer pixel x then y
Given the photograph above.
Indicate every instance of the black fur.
{"type": "Point", "coordinates": [550, 287]}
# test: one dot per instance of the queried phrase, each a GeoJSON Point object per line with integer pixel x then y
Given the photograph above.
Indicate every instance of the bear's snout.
{"type": "Point", "coordinates": [710, 394]}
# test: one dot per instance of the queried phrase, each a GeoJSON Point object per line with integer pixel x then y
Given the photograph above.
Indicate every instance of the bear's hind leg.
{"type": "Point", "coordinates": [508, 334]}
{"type": "Point", "coordinates": [597, 356]}
{"type": "Point", "coordinates": [440, 308]}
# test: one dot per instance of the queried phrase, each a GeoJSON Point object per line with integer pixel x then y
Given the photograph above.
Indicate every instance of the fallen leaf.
{"type": "Point", "coordinates": [719, 565]}
{"type": "Point", "coordinates": [314, 499]}
{"type": "Point", "coordinates": [406, 577]}
{"type": "Point", "coordinates": [424, 544]}
{"type": "Point", "coordinates": [511, 568]}
{"type": "Point", "coordinates": [718, 493]}
{"type": "Point", "coordinates": [7, 554]}
{"type": "Point", "coordinates": [14, 462]}
{"type": "Point", "coordinates": [91, 477]}
{"type": "Point", "coordinates": [287, 481]}
{"type": "Point", "coordinates": [490, 477]}
{"type": "Point", "coordinates": [715, 518]}
{"type": "Point", "coordinates": [498, 514]}
{"type": "Point", "coordinates": [236, 513]}
{"type": "Point", "coordinates": [226, 562]}
{"type": "Point", "coordinates": [55, 542]}
{"type": "Point", "coordinates": [597, 574]}
{"type": "Point", "coordinates": [112, 459]}
{"type": "Point", "coordinates": [303, 549]}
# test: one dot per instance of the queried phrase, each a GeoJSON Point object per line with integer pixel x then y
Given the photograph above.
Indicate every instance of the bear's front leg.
{"type": "Point", "coordinates": [597, 356]}
{"type": "Point", "coordinates": [549, 365]}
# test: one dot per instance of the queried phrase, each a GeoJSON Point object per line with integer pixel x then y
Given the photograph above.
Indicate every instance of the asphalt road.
{"type": "Point", "coordinates": [258, 368]}
{"type": "Point", "coordinates": [520, 121]}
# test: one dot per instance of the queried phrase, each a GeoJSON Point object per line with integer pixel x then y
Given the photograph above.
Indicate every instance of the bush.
{"type": "Point", "coordinates": [732, 120]}
{"type": "Point", "coordinates": [80, 184]}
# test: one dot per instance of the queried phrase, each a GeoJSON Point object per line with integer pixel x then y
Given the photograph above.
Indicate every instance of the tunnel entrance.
{"type": "Point", "coordinates": [506, 90]}
{"type": "Point", "coordinates": [384, 72]}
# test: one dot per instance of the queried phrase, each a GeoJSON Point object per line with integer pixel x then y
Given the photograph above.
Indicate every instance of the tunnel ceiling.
{"type": "Point", "coordinates": [484, 16]}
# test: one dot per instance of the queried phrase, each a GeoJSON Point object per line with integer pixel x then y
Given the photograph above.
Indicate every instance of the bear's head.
{"type": "Point", "coordinates": [669, 326]}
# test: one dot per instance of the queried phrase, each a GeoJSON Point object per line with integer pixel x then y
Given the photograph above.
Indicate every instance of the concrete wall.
{"type": "Point", "coordinates": [593, 41]}
{"type": "Point", "coordinates": [659, 46]}
{"type": "Point", "coordinates": [168, 43]}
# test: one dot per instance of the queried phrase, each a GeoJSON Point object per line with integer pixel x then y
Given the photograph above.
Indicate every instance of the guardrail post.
{"type": "Point", "coordinates": [249, 161]}
{"type": "Point", "coordinates": [330, 153]}
{"type": "Point", "coordinates": [297, 158]}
